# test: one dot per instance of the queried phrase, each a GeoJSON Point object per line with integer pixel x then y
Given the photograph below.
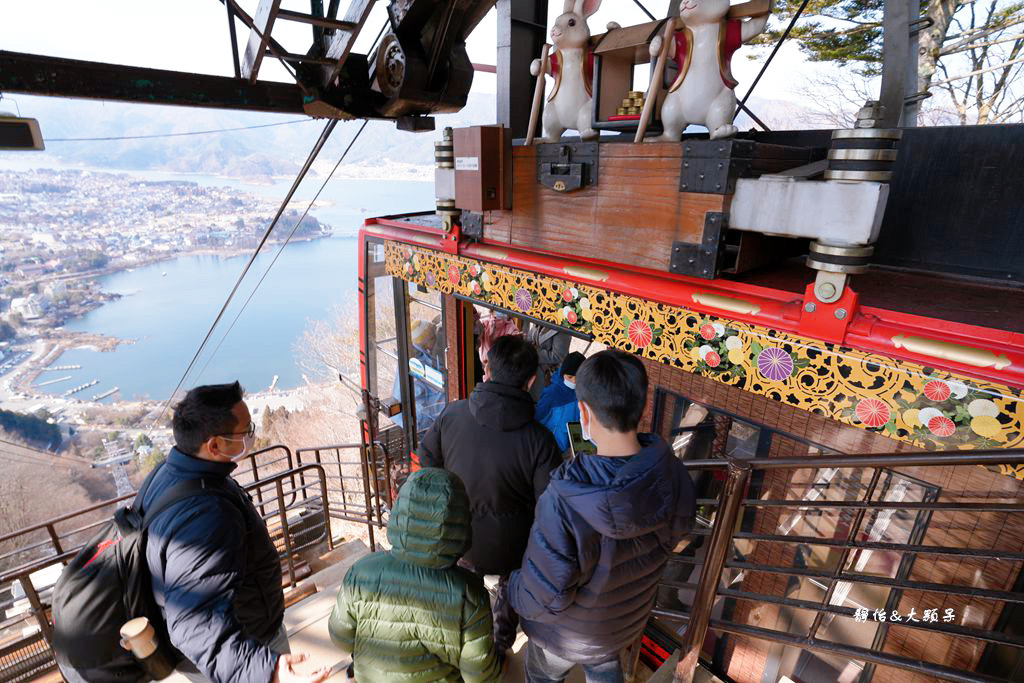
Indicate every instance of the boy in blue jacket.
{"type": "Point", "coordinates": [557, 405]}
{"type": "Point", "coordinates": [603, 531]}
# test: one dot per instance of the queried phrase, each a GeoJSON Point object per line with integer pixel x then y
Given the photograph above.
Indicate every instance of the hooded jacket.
{"type": "Point", "coordinates": [605, 528]}
{"type": "Point", "coordinates": [504, 457]}
{"type": "Point", "coordinates": [216, 574]}
{"type": "Point", "coordinates": [410, 615]}
{"type": "Point", "coordinates": [556, 407]}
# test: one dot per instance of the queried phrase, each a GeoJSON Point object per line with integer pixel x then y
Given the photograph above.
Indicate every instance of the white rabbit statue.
{"type": "Point", "coordinates": [572, 66]}
{"type": "Point", "coordinates": [703, 92]}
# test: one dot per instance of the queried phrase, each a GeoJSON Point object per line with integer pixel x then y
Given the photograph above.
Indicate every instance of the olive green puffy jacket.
{"type": "Point", "coordinates": [410, 615]}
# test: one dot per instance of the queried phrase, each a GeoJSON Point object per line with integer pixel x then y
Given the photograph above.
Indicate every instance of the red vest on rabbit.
{"type": "Point", "coordinates": [729, 40]}
{"type": "Point", "coordinates": [588, 72]}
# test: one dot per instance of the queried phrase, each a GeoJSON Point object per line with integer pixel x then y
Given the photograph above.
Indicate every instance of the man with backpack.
{"type": "Point", "coordinates": [215, 574]}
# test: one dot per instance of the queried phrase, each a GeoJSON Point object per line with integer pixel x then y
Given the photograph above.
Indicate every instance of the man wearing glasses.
{"type": "Point", "coordinates": [215, 571]}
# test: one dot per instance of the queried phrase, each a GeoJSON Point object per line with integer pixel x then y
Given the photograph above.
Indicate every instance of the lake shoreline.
{"type": "Point", "coordinates": [167, 316]}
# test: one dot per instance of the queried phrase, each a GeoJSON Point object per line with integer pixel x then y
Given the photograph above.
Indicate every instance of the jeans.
{"type": "Point", "coordinates": [506, 621]}
{"type": "Point", "coordinates": [278, 644]}
{"type": "Point", "coordinates": [544, 667]}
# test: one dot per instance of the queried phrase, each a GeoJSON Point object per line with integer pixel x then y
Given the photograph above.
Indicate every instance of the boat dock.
{"type": "Point", "coordinates": [80, 387]}
{"type": "Point", "coordinates": [54, 381]}
{"type": "Point", "coordinates": [61, 367]}
{"type": "Point", "coordinates": [100, 397]}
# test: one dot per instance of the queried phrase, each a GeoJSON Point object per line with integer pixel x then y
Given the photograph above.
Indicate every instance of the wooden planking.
{"type": "Point", "coordinates": [341, 43]}
{"type": "Point", "coordinates": [498, 226]}
{"type": "Point", "coordinates": [259, 38]}
{"type": "Point", "coordinates": [636, 210]}
{"type": "Point", "coordinates": [656, 150]}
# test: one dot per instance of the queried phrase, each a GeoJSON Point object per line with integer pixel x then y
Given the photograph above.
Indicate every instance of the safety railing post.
{"type": "Point", "coordinates": [363, 457]}
{"type": "Point", "coordinates": [55, 539]}
{"type": "Point", "coordinates": [327, 507]}
{"type": "Point", "coordinates": [37, 607]}
{"type": "Point", "coordinates": [729, 503]}
{"type": "Point", "coordinates": [283, 514]}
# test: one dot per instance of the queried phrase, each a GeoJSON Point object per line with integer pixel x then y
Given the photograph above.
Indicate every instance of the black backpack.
{"type": "Point", "coordinates": [108, 583]}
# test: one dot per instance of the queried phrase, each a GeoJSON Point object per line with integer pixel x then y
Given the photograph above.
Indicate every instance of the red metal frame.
{"type": "Point", "coordinates": [863, 327]}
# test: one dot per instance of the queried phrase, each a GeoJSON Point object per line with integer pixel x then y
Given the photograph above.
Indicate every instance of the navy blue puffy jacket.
{"type": "Point", "coordinates": [216, 575]}
{"type": "Point", "coordinates": [603, 531]}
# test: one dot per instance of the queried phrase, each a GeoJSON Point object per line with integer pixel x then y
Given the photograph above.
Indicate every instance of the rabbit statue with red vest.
{"type": "Point", "coordinates": [703, 92]}
{"type": "Point", "coordinates": [571, 64]}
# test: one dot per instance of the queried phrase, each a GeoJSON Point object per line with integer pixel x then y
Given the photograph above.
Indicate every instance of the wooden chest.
{"type": "Point", "coordinates": [657, 205]}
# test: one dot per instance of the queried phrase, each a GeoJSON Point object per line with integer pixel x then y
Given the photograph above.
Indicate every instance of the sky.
{"type": "Point", "coordinates": [192, 35]}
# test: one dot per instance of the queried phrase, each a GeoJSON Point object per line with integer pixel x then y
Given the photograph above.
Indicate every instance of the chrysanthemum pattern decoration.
{"type": "Point", "coordinates": [927, 407]}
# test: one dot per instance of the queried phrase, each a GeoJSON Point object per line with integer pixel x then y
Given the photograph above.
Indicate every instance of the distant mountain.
{"type": "Point", "coordinates": [272, 151]}
{"type": "Point", "coordinates": [278, 150]}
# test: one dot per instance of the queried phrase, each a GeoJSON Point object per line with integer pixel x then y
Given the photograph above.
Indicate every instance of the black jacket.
{"type": "Point", "coordinates": [216, 575]}
{"type": "Point", "coordinates": [604, 531]}
{"type": "Point", "coordinates": [504, 457]}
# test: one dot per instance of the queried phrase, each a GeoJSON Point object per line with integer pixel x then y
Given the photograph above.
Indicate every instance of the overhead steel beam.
{"type": "Point", "coordinates": [259, 37]}
{"type": "Point", "coordinates": [344, 39]}
{"type": "Point", "coordinates": [314, 20]}
{"type": "Point", "coordinates": [53, 76]}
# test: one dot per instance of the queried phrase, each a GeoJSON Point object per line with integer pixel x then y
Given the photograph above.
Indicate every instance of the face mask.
{"type": "Point", "coordinates": [569, 383]}
{"type": "Point", "coordinates": [246, 446]}
{"type": "Point", "coordinates": [584, 426]}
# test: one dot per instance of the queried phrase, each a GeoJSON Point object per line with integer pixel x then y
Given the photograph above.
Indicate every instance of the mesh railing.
{"type": "Point", "coordinates": [861, 567]}
{"type": "Point", "coordinates": [359, 482]}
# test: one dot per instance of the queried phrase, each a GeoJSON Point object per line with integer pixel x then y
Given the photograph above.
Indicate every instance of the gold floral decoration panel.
{"type": "Point", "coordinates": [928, 407]}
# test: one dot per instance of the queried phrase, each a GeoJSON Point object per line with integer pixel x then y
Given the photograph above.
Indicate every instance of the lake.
{"type": "Point", "coordinates": [169, 314]}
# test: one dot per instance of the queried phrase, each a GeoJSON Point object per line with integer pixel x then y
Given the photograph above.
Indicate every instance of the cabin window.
{"type": "Point", "coordinates": [428, 353]}
{"type": "Point", "coordinates": [406, 343]}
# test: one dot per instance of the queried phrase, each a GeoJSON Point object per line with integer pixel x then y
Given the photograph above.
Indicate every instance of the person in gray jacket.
{"type": "Point", "coordinates": [216, 574]}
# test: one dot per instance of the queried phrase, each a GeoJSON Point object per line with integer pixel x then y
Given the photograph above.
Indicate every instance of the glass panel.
{"type": "Point", "coordinates": [428, 345]}
{"type": "Point", "coordinates": [382, 348]}
{"type": "Point", "coordinates": [743, 439]}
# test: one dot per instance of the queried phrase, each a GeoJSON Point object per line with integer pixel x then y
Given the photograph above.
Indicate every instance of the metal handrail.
{"type": "Point", "coordinates": [367, 463]}
{"type": "Point", "coordinates": [63, 518]}
{"type": "Point", "coordinates": [993, 456]}
{"type": "Point", "coordinates": [733, 498]}
{"type": "Point", "coordinates": [277, 481]}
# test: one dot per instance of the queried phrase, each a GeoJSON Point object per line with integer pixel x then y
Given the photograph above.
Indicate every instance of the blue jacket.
{"type": "Point", "coordinates": [216, 575]}
{"type": "Point", "coordinates": [557, 406]}
{"type": "Point", "coordinates": [603, 531]}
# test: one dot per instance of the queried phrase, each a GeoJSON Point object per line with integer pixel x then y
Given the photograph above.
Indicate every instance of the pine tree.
{"type": "Point", "coordinates": [972, 51]}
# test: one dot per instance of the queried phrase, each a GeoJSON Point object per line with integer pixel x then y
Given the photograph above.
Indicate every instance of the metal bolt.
{"type": "Point", "coordinates": [686, 164]}
{"type": "Point", "coordinates": [720, 164]}
{"type": "Point", "coordinates": [685, 186]}
{"type": "Point", "coordinates": [702, 176]}
{"type": "Point", "coordinates": [718, 186]}
{"type": "Point", "coordinates": [840, 313]}
{"type": "Point", "coordinates": [810, 307]}
{"type": "Point", "coordinates": [826, 290]}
